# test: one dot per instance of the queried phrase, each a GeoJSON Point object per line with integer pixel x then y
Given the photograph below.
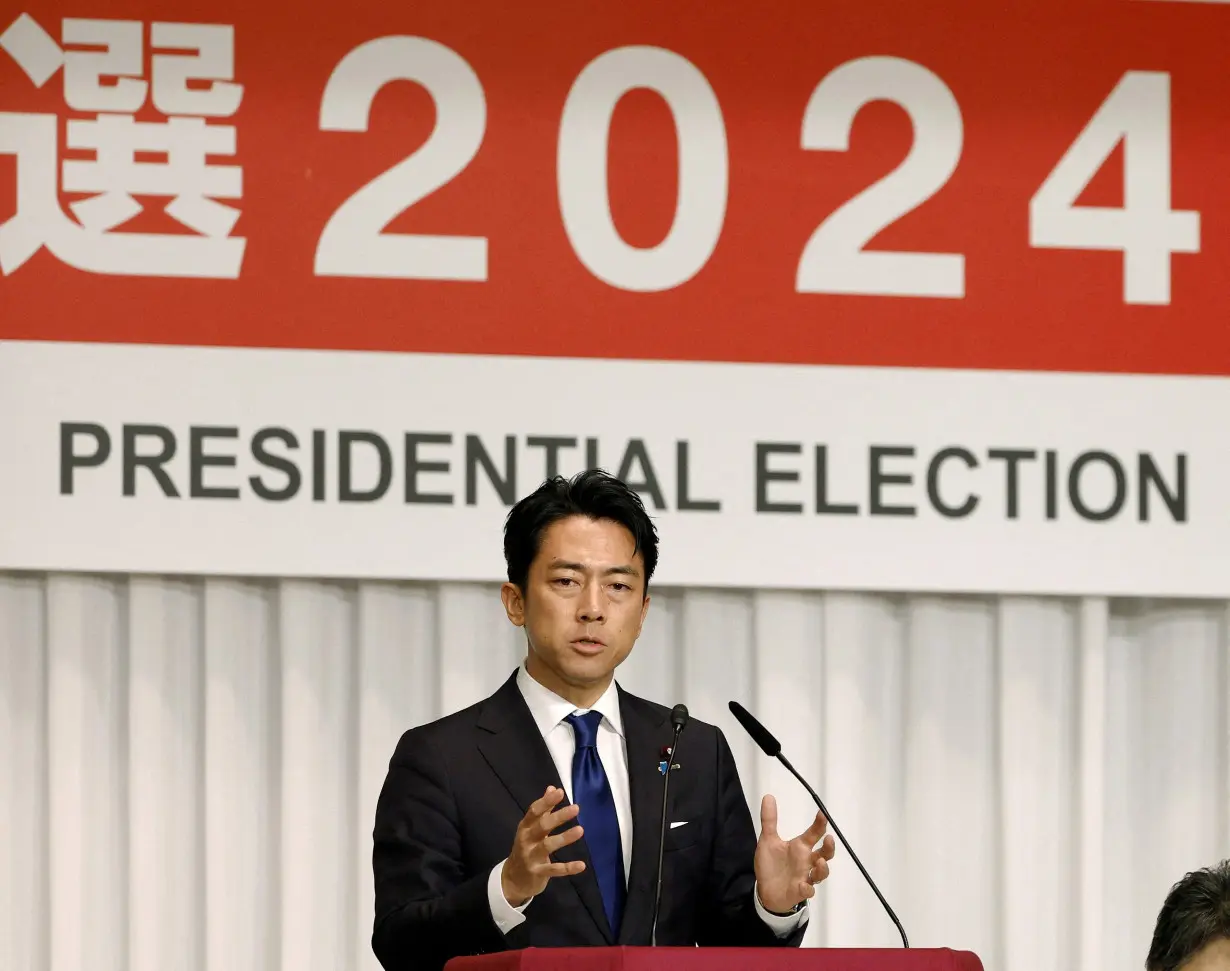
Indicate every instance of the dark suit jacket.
{"type": "Point", "coordinates": [449, 809]}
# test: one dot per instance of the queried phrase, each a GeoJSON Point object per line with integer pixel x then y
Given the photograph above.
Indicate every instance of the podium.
{"type": "Point", "coordinates": [720, 959]}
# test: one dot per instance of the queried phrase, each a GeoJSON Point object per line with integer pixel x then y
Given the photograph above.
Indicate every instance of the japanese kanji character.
{"type": "Point", "coordinates": [115, 137]}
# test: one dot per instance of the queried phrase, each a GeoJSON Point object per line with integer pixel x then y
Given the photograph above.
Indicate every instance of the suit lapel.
{"type": "Point", "coordinates": [511, 745]}
{"type": "Point", "coordinates": [646, 731]}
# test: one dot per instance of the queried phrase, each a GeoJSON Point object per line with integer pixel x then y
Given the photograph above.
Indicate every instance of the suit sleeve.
{"type": "Point", "coordinates": [428, 909]}
{"type": "Point", "coordinates": [730, 918]}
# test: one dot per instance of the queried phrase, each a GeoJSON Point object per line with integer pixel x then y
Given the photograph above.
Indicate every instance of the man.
{"type": "Point", "coordinates": [1193, 927]}
{"type": "Point", "coordinates": [532, 819]}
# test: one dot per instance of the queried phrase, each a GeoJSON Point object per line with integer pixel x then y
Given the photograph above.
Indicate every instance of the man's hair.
{"type": "Point", "coordinates": [594, 494]}
{"type": "Point", "coordinates": [1196, 913]}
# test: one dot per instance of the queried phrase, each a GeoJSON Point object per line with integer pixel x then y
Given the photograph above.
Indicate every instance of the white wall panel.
{"type": "Point", "coordinates": [789, 679]}
{"type": "Point", "coordinates": [1039, 766]}
{"type": "Point", "coordinates": [317, 626]}
{"type": "Point", "coordinates": [242, 781]}
{"type": "Point", "coordinates": [24, 911]}
{"type": "Point", "coordinates": [951, 778]}
{"type": "Point", "coordinates": [716, 627]}
{"type": "Point", "coordinates": [88, 772]}
{"type": "Point", "coordinates": [165, 798]}
{"type": "Point", "coordinates": [1097, 913]}
{"type": "Point", "coordinates": [191, 767]}
{"type": "Point", "coordinates": [863, 785]}
{"type": "Point", "coordinates": [1165, 789]}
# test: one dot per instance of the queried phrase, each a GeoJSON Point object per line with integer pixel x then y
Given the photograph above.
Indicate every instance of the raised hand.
{"type": "Point", "coordinates": [787, 871]}
{"type": "Point", "coordinates": [529, 866]}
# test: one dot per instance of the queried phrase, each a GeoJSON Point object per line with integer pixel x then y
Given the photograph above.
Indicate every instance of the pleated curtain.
{"type": "Point", "coordinates": [190, 766]}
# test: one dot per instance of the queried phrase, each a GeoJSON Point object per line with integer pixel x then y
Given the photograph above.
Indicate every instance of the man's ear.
{"type": "Point", "coordinates": [514, 603]}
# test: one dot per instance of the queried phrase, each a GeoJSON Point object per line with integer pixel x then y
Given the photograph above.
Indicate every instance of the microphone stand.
{"type": "Point", "coordinates": [679, 719]}
{"type": "Point", "coordinates": [854, 856]}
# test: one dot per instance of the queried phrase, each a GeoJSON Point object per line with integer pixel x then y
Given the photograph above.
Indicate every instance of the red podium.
{"type": "Point", "coordinates": [720, 959]}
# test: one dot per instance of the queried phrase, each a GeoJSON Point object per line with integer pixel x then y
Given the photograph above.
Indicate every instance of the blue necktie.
{"type": "Point", "coordinates": [592, 792]}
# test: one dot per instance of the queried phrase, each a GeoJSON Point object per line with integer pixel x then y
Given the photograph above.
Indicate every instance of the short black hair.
{"type": "Point", "coordinates": [1196, 913]}
{"type": "Point", "coordinates": [594, 494]}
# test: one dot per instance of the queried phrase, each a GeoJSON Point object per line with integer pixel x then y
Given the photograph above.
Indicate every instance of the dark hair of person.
{"type": "Point", "coordinates": [594, 494]}
{"type": "Point", "coordinates": [1195, 914]}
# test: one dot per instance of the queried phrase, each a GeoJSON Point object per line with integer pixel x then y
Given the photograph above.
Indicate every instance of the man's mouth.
{"type": "Point", "coordinates": [588, 644]}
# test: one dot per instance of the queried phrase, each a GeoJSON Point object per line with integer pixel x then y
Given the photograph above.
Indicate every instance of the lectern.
{"type": "Point", "coordinates": [720, 959]}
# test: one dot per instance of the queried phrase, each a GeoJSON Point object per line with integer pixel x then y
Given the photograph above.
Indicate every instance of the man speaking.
{"type": "Point", "coordinates": [533, 818]}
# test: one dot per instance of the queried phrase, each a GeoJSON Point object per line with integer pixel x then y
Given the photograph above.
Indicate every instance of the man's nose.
{"type": "Point", "coordinates": [592, 604]}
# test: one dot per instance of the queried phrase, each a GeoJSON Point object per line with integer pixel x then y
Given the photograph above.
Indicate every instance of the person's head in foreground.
{"type": "Point", "coordinates": [580, 554]}
{"type": "Point", "coordinates": [1193, 927]}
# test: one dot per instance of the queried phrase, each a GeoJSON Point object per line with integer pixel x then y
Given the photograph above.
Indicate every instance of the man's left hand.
{"type": "Point", "coordinates": [787, 871]}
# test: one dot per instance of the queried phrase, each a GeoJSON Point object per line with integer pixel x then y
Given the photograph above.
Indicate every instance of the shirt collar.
{"type": "Point", "coordinates": [549, 709]}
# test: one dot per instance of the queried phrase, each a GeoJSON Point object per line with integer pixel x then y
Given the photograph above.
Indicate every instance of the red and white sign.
{"type": "Point", "coordinates": [1038, 187]}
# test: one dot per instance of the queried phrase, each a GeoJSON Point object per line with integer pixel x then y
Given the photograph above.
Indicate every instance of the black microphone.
{"type": "Point", "coordinates": [679, 718]}
{"type": "Point", "coordinates": [773, 748]}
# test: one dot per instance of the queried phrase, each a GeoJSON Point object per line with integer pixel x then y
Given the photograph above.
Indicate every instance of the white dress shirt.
{"type": "Point", "coordinates": [550, 711]}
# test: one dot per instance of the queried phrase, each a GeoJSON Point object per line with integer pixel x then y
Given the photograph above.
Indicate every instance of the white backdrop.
{"type": "Point", "coordinates": [190, 767]}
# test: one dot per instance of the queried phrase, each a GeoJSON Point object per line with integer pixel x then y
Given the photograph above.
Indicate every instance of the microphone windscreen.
{"type": "Point", "coordinates": [760, 735]}
{"type": "Point", "coordinates": [679, 717]}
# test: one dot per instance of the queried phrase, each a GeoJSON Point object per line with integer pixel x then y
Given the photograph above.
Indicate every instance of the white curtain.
{"type": "Point", "coordinates": [190, 767]}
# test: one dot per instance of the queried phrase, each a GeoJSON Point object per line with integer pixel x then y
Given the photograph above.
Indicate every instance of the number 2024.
{"type": "Point", "coordinates": [1137, 111]}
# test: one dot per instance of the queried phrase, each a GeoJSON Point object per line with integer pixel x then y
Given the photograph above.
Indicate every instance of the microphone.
{"type": "Point", "coordinates": [679, 719]}
{"type": "Point", "coordinates": [773, 748]}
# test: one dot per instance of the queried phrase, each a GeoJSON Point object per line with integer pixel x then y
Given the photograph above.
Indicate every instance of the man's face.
{"type": "Point", "coordinates": [1214, 956]}
{"type": "Point", "coordinates": [583, 606]}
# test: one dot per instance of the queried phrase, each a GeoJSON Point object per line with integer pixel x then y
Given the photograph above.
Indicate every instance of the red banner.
{"type": "Point", "coordinates": [1038, 186]}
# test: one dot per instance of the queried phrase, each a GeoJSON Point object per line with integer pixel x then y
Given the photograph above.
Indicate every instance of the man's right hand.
{"type": "Point", "coordinates": [529, 865]}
